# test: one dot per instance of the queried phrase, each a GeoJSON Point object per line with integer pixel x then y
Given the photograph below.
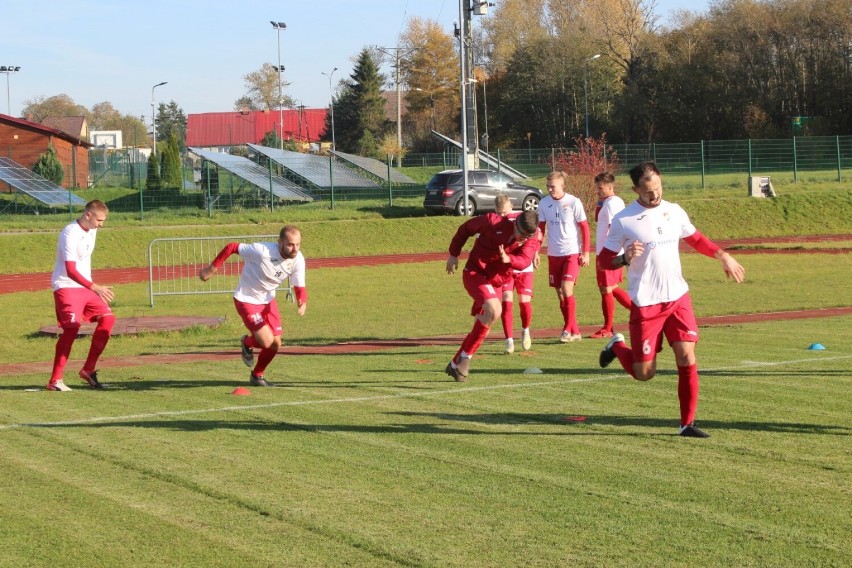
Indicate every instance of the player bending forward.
{"type": "Point", "coordinates": [266, 266]}
{"type": "Point", "coordinates": [649, 230]}
{"type": "Point", "coordinates": [502, 245]}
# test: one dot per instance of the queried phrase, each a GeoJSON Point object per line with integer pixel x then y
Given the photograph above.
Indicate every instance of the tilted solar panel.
{"type": "Point", "coordinates": [254, 174]}
{"type": "Point", "coordinates": [37, 187]}
{"type": "Point", "coordinates": [314, 168]}
{"type": "Point", "coordinates": [374, 167]}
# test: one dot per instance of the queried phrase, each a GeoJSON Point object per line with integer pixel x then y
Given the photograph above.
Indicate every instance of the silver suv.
{"type": "Point", "coordinates": [444, 192]}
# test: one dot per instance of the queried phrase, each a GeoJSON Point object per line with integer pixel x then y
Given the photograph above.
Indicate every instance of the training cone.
{"type": "Point", "coordinates": [817, 347]}
{"type": "Point", "coordinates": [533, 371]}
{"type": "Point", "coordinates": [241, 391]}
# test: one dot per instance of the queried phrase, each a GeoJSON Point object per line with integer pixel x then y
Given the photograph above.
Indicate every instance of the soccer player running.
{"type": "Point", "coordinates": [77, 298]}
{"type": "Point", "coordinates": [649, 231]}
{"type": "Point", "coordinates": [266, 266]}
{"type": "Point", "coordinates": [520, 280]}
{"type": "Point", "coordinates": [503, 244]}
{"type": "Point", "coordinates": [608, 277]}
{"type": "Point", "coordinates": [562, 219]}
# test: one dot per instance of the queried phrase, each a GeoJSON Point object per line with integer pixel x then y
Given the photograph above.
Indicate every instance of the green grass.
{"type": "Point", "coordinates": [375, 459]}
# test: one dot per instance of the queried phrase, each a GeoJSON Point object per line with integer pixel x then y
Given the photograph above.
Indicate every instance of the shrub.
{"type": "Point", "coordinates": [590, 157]}
{"type": "Point", "coordinates": [49, 167]}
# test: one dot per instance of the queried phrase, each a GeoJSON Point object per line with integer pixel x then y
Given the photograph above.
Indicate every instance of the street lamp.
{"type": "Point", "coordinates": [586, 87]}
{"type": "Point", "coordinates": [154, 113]}
{"type": "Point", "coordinates": [278, 27]}
{"type": "Point", "coordinates": [331, 104]}
{"type": "Point", "coordinates": [8, 70]}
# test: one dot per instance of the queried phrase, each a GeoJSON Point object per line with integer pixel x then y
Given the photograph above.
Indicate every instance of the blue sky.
{"type": "Point", "coordinates": [116, 50]}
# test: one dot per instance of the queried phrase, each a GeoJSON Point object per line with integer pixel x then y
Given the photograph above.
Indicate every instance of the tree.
{"type": "Point", "coordinates": [49, 167]}
{"type": "Point", "coordinates": [106, 117]}
{"type": "Point", "coordinates": [430, 70]}
{"type": "Point", "coordinates": [41, 108]}
{"type": "Point", "coordinates": [171, 175]}
{"type": "Point", "coordinates": [152, 182]}
{"type": "Point", "coordinates": [262, 91]}
{"type": "Point", "coordinates": [171, 120]}
{"type": "Point", "coordinates": [360, 108]}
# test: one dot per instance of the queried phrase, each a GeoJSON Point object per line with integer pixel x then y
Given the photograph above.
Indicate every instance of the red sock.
{"type": "Point", "coordinates": [63, 350]}
{"type": "Point", "coordinates": [572, 315]}
{"type": "Point", "coordinates": [264, 358]}
{"type": "Point", "coordinates": [622, 297]}
{"type": "Point", "coordinates": [625, 357]}
{"type": "Point", "coordinates": [251, 342]}
{"type": "Point", "coordinates": [508, 320]}
{"type": "Point", "coordinates": [475, 338]}
{"type": "Point", "coordinates": [608, 309]}
{"type": "Point", "coordinates": [563, 305]}
{"type": "Point", "coordinates": [526, 314]}
{"type": "Point", "coordinates": [687, 393]}
{"type": "Point", "coordinates": [100, 338]}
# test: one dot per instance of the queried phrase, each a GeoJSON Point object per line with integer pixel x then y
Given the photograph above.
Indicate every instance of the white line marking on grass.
{"type": "Point", "coordinates": [608, 377]}
{"type": "Point", "coordinates": [776, 363]}
{"type": "Point", "coordinates": [170, 413]}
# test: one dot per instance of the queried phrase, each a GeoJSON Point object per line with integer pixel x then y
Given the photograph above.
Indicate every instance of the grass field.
{"type": "Point", "coordinates": [378, 459]}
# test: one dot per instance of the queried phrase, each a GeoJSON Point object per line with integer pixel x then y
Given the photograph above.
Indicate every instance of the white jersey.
{"type": "Point", "coordinates": [562, 217]}
{"type": "Point", "coordinates": [264, 270]}
{"type": "Point", "coordinates": [75, 244]}
{"type": "Point", "coordinates": [655, 276]}
{"type": "Point", "coordinates": [610, 206]}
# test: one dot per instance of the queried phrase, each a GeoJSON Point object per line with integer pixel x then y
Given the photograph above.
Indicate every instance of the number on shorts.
{"type": "Point", "coordinates": [646, 347]}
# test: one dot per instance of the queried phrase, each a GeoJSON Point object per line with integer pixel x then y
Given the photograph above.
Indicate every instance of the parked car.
{"type": "Point", "coordinates": [444, 192]}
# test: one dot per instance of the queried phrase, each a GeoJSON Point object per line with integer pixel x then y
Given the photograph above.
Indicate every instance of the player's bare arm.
{"type": "Point", "coordinates": [634, 249]}
{"type": "Point", "coordinates": [732, 268]}
{"type": "Point", "coordinates": [536, 260]}
{"type": "Point", "coordinates": [503, 256]}
{"type": "Point", "coordinates": [452, 264]}
{"type": "Point", "coordinates": [584, 259]}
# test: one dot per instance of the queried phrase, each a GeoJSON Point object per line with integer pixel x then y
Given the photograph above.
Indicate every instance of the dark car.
{"type": "Point", "coordinates": [444, 192]}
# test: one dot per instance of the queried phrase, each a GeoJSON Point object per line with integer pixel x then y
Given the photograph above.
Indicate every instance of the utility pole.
{"type": "Point", "coordinates": [468, 8]}
{"type": "Point", "coordinates": [396, 55]}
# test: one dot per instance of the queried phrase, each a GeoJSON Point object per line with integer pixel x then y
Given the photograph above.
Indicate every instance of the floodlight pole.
{"type": "Point", "coordinates": [8, 70]}
{"type": "Point", "coordinates": [278, 27]}
{"type": "Point", "coordinates": [586, 87]}
{"type": "Point", "coordinates": [331, 106]}
{"type": "Point", "coordinates": [154, 113]}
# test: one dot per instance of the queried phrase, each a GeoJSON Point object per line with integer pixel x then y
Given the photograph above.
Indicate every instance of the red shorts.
{"type": "Point", "coordinates": [520, 281]}
{"type": "Point", "coordinates": [75, 306]}
{"type": "Point", "coordinates": [563, 268]}
{"type": "Point", "coordinates": [255, 316]}
{"type": "Point", "coordinates": [648, 324]}
{"type": "Point", "coordinates": [608, 276]}
{"type": "Point", "coordinates": [479, 289]}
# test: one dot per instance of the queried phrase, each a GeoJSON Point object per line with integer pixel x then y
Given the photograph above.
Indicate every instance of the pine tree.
{"type": "Point", "coordinates": [360, 106]}
{"type": "Point", "coordinates": [152, 182]}
{"type": "Point", "coordinates": [49, 167]}
{"type": "Point", "coordinates": [171, 170]}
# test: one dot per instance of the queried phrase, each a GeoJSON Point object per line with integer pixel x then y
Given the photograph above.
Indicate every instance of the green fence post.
{"type": "Point", "coordinates": [703, 177]}
{"type": "Point", "coordinates": [390, 186]}
{"type": "Point", "coordinates": [331, 176]}
{"type": "Point", "coordinates": [795, 163]}
{"type": "Point", "coordinates": [837, 147]}
{"type": "Point", "coordinates": [499, 161]}
{"type": "Point", "coordinates": [141, 203]}
{"type": "Point", "coordinates": [654, 151]}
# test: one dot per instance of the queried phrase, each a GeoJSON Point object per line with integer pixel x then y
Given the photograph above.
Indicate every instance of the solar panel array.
{"type": "Point", "coordinates": [315, 168]}
{"type": "Point", "coordinates": [254, 174]}
{"type": "Point", "coordinates": [35, 186]}
{"type": "Point", "coordinates": [375, 167]}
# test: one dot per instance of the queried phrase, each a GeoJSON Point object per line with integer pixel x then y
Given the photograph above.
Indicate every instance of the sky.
{"type": "Point", "coordinates": [117, 50]}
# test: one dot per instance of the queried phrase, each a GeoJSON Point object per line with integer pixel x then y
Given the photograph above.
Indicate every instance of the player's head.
{"type": "Point", "coordinates": [525, 225]}
{"type": "Point", "coordinates": [502, 204]}
{"type": "Point", "coordinates": [289, 241]}
{"type": "Point", "coordinates": [605, 185]}
{"type": "Point", "coordinates": [94, 214]}
{"type": "Point", "coordinates": [556, 184]}
{"type": "Point", "coordinates": [647, 183]}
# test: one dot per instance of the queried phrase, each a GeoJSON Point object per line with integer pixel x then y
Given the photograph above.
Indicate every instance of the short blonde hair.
{"type": "Point", "coordinates": [502, 204]}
